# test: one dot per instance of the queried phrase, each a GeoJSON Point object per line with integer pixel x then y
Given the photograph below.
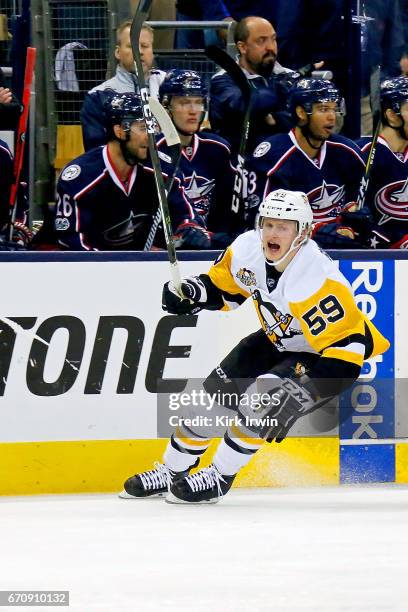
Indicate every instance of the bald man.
{"type": "Point", "coordinates": [255, 39]}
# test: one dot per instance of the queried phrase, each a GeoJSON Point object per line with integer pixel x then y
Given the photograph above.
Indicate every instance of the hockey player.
{"type": "Point", "coordinates": [383, 222]}
{"type": "Point", "coordinates": [313, 337]}
{"type": "Point", "coordinates": [310, 158]}
{"type": "Point", "coordinates": [206, 158]}
{"type": "Point", "coordinates": [106, 198]}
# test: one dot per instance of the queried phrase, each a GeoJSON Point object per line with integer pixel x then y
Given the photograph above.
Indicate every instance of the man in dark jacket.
{"type": "Point", "coordinates": [256, 43]}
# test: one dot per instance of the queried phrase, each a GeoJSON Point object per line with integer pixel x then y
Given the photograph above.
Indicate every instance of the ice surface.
{"type": "Point", "coordinates": [321, 549]}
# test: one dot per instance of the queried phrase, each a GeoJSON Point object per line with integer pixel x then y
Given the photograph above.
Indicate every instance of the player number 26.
{"type": "Point", "coordinates": [329, 310]}
{"type": "Point", "coordinates": [64, 206]}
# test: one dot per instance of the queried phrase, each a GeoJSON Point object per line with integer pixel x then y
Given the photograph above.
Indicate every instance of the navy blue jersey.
{"type": "Point", "coordinates": [96, 210]}
{"type": "Point", "coordinates": [331, 180]}
{"type": "Point", "coordinates": [208, 178]}
{"type": "Point", "coordinates": [6, 180]}
{"type": "Point", "coordinates": [387, 192]}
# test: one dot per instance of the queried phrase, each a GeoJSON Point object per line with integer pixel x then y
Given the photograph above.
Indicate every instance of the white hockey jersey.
{"type": "Point", "coordinates": [311, 308]}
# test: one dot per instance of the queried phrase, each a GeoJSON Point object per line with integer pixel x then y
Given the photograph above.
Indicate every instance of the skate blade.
{"type": "Point", "coordinates": [125, 495]}
{"type": "Point", "coordinates": [172, 499]}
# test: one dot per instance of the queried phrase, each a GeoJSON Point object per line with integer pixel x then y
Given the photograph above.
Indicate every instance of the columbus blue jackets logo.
{"type": "Point", "coordinates": [122, 234]}
{"type": "Point", "coordinates": [246, 277]}
{"type": "Point", "coordinates": [392, 202]}
{"type": "Point", "coordinates": [198, 189]}
{"type": "Point", "coordinates": [276, 324]}
{"type": "Point", "coordinates": [327, 201]}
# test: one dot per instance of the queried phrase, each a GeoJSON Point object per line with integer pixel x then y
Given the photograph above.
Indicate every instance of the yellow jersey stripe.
{"type": "Point", "coordinates": [335, 352]}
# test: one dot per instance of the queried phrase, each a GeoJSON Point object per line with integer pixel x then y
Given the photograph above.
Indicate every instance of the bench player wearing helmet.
{"type": "Point", "coordinates": [328, 167]}
{"type": "Point", "coordinates": [383, 221]}
{"type": "Point", "coordinates": [313, 338]}
{"type": "Point", "coordinates": [107, 199]}
{"type": "Point", "coordinates": [206, 158]}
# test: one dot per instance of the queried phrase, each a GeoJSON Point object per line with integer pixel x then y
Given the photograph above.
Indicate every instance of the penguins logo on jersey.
{"type": "Point", "coordinates": [197, 191]}
{"type": "Point", "coordinates": [392, 202]}
{"type": "Point", "coordinates": [246, 277]}
{"type": "Point", "coordinates": [326, 201]}
{"type": "Point", "coordinates": [276, 324]}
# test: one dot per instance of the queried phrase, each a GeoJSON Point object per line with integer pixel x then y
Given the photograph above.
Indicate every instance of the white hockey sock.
{"type": "Point", "coordinates": [229, 461]}
{"type": "Point", "coordinates": [177, 461]}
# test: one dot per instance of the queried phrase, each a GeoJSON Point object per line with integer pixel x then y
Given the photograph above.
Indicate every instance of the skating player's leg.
{"type": "Point", "coordinates": [186, 446]}
{"type": "Point", "coordinates": [253, 356]}
{"type": "Point", "coordinates": [208, 485]}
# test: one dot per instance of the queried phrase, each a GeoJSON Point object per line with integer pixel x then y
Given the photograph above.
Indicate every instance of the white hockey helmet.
{"type": "Point", "coordinates": [288, 206]}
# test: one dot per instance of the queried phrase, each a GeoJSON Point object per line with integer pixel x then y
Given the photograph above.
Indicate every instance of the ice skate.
{"type": "Point", "coordinates": [207, 486]}
{"type": "Point", "coordinates": [152, 483]}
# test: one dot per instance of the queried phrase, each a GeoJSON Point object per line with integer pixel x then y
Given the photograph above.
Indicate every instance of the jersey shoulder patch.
{"type": "Point", "coordinates": [71, 172]}
{"type": "Point", "coordinates": [272, 148]}
{"type": "Point", "coordinates": [262, 149]}
{"type": "Point", "coordinates": [82, 171]}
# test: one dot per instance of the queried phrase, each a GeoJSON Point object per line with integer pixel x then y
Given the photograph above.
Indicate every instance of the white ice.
{"type": "Point", "coordinates": [321, 549]}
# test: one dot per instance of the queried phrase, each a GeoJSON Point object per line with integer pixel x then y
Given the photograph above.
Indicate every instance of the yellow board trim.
{"type": "Point", "coordinates": [401, 463]}
{"type": "Point", "coordinates": [94, 466]}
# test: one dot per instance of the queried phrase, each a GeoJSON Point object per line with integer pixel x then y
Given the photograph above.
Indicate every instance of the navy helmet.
{"type": "Point", "coordinates": [179, 82]}
{"type": "Point", "coordinates": [307, 92]}
{"type": "Point", "coordinates": [393, 93]}
{"type": "Point", "coordinates": [123, 109]}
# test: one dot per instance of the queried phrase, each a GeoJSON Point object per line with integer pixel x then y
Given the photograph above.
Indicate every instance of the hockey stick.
{"type": "Point", "coordinates": [232, 68]}
{"type": "Point", "coordinates": [370, 162]}
{"type": "Point", "coordinates": [173, 142]}
{"type": "Point", "coordinates": [21, 135]}
{"type": "Point", "coordinates": [139, 18]}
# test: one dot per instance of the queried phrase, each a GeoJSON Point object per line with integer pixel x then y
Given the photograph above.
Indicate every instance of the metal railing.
{"type": "Point", "coordinates": [229, 26]}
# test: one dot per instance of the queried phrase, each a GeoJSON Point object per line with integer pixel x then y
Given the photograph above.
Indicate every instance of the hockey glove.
{"type": "Point", "coordinates": [190, 235]}
{"type": "Point", "coordinates": [361, 221]}
{"type": "Point", "coordinates": [289, 402]}
{"type": "Point", "coordinates": [335, 236]}
{"type": "Point", "coordinates": [369, 234]}
{"type": "Point", "coordinates": [193, 293]}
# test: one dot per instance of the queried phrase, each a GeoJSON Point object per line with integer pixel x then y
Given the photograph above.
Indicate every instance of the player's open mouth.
{"type": "Point", "coordinates": [273, 247]}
